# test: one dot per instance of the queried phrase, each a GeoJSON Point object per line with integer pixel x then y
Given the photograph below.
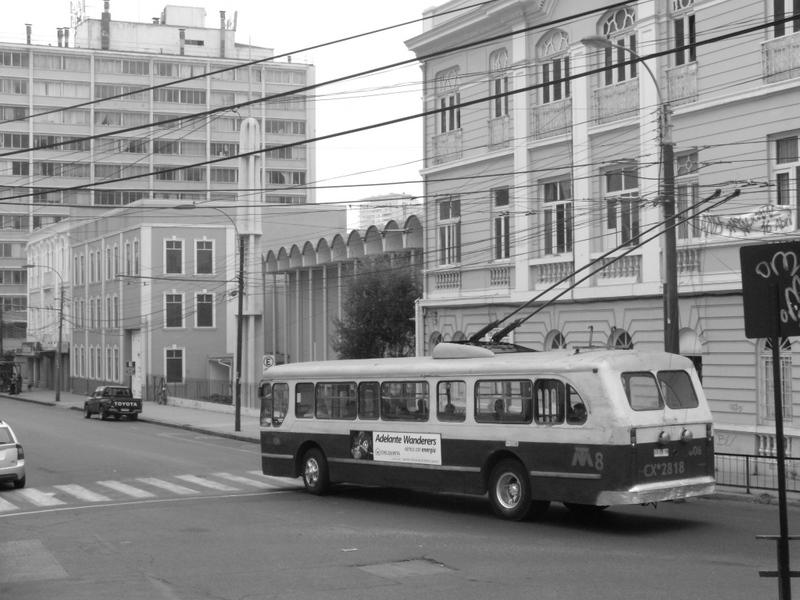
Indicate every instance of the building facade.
{"type": "Point", "coordinates": [125, 111]}
{"type": "Point", "coordinates": [543, 173]}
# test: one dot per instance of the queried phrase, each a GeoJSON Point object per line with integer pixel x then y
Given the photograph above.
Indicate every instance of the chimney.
{"type": "Point", "coordinates": [60, 37]}
{"type": "Point", "coordinates": [222, 33]}
{"type": "Point", "coordinates": [66, 37]}
{"type": "Point", "coordinates": [105, 27]}
{"type": "Point", "coordinates": [182, 37]}
{"type": "Point", "coordinates": [28, 33]}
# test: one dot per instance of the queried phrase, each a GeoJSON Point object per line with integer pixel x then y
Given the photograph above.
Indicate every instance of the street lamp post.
{"type": "Point", "coordinates": [60, 325]}
{"type": "Point", "coordinates": [670, 288]}
{"type": "Point", "coordinates": [237, 386]}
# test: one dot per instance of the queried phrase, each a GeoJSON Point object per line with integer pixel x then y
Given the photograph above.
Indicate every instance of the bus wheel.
{"type": "Point", "coordinates": [510, 491]}
{"type": "Point", "coordinates": [315, 471]}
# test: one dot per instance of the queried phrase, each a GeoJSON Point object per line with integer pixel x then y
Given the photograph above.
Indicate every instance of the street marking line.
{"type": "Point", "coordinates": [39, 498]}
{"type": "Point", "coordinates": [6, 506]}
{"type": "Point", "coordinates": [166, 485]}
{"type": "Point", "coordinates": [202, 481]}
{"type": "Point", "coordinates": [277, 481]}
{"type": "Point", "coordinates": [82, 493]}
{"type": "Point", "coordinates": [126, 489]}
{"type": "Point", "coordinates": [244, 480]}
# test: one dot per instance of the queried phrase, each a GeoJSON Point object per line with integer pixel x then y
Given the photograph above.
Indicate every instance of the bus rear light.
{"type": "Point", "coordinates": [709, 431]}
{"type": "Point", "coordinates": [664, 438]}
{"type": "Point", "coordinates": [686, 436]}
{"type": "Point", "coordinates": [633, 437]}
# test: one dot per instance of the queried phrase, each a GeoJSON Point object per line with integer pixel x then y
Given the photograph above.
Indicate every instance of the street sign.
{"type": "Point", "coordinates": [268, 361]}
{"type": "Point", "coordinates": [771, 289]}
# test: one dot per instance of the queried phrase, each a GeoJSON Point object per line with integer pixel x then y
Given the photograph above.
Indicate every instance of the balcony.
{"type": "Point", "coordinates": [500, 276]}
{"type": "Point", "coordinates": [447, 280]}
{"type": "Point", "coordinates": [446, 147]}
{"type": "Point", "coordinates": [627, 269]}
{"type": "Point", "coordinates": [500, 132]}
{"type": "Point", "coordinates": [615, 102]}
{"type": "Point", "coordinates": [781, 58]}
{"type": "Point", "coordinates": [547, 274]}
{"type": "Point", "coordinates": [682, 84]}
{"type": "Point", "coordinates": [551, 119]}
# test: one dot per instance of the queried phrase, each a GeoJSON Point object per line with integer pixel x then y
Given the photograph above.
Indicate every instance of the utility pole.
{"type": "Point", "coordinates": [671, 314]}
{"type": "Point", "coordinates": [237, 424]}
{"type": "Point", "coordinates": [58, 346]}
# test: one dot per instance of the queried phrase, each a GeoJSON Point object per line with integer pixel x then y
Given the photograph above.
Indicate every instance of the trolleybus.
{"type": "Point", "coordinates": [589, 428]}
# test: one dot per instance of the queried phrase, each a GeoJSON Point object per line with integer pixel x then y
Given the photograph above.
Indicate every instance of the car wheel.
{"type": "Point", "coordinates": [86, 412]}
{"type": "Point", "coordinates": [103, 414]}
{"type": "Point", "coordinates": [133, 417]}
{"type": "Point", "coordinates": [315, 472]}
{"type": "Point", "coordinates": [19, 483]}
{"type": "Point", "coordinates": [510, 492]}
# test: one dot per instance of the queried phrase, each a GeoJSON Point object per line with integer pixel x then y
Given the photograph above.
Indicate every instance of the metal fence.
{"type": "Point", "coordinates": [751, 471]}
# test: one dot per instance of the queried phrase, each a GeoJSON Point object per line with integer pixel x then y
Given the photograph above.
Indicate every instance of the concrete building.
{"type": "Point", "coordinates": [378, 210]}
{"type": "Point", "coordinates": [121, 111]}
{"type": "Point", "coordinates": [542, 156]}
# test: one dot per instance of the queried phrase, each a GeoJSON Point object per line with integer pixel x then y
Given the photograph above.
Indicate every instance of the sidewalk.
{"type": "Point", "coordinates": [219, 421]}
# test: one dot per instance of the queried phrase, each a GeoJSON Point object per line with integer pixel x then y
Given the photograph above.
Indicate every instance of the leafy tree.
{"type": "Point", "coordinates": [378, 311]}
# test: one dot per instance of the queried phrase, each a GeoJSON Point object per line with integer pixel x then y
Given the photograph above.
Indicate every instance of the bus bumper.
{"type": "Point", "coordinates": [662, 491]}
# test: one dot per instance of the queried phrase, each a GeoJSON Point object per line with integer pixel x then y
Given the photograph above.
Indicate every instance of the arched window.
{"type": "Point", "coordinates": [553, 57]}
{"type": "Point", "coordinates": [620, 339]}
{"type": "Point", "coordinates": [555, 340]}
{"type": "Point", "coordinates": [766, 396]}
{"type": "Point", "coordinates": [498, 81]}
{"type": "Point", "coordinates": [618, 26]}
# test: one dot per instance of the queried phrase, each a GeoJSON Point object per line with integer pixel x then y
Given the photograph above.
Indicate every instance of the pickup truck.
{"type": "Point", "coordinates": [112, 401]}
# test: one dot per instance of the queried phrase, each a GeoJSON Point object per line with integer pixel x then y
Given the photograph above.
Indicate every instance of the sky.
{"type": "Point", "coordinates": [349, 168]}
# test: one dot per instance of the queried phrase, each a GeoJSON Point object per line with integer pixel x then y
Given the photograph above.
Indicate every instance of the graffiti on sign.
{"type": "Point", "coordinates": [771, 289]}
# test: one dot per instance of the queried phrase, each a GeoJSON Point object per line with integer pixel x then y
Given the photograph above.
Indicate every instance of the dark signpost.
{"type": "Point", "coordinates": [771, 294]}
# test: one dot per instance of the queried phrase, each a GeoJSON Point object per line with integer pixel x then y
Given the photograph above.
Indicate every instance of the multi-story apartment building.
{"type": "Point", "coordinates": [542, 156]}
{"type": "Point", "coordinates": [139, 110]}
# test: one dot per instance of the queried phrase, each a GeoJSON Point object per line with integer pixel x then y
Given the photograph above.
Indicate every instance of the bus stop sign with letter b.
{"type": "Point", "coordinates": [771, 289]}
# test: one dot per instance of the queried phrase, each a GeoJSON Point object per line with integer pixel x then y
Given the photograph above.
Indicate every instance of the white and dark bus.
{"type": "Point", "coordinates": [589, 428]}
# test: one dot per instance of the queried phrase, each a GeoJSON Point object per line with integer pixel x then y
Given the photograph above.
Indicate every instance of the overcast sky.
{"type": "Point", "coordinates": [389, 155]}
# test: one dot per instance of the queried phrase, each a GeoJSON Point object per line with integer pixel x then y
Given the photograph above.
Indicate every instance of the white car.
{"type": "Point", "coordinates": [12, 457]}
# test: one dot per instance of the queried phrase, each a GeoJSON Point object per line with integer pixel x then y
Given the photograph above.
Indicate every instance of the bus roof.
{"type": "Point", "coordinates": [465, 360]}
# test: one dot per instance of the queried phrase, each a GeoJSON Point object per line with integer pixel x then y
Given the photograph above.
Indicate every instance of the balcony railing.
{"type": "Point", "coordinates": [447, 147]}
{"type": "Point", "coordinates": [550, 273]}
{"type": "Point", "coordinates": [500, 276]}
{"type": "Point", "coordinates": [682, 83]}
{"type": "Point", "coordinates": [615, 102]}
{"type": "Point", "coordinates": [627, 267]}
{"type": "Point", "coordinates": [781, 58]}
{"type": "Point", "coordinates": [500, 132]}
{"type": "Point", "coordinates": [447, 280]}
{"type": "Point", "coordinates": [551, 119]}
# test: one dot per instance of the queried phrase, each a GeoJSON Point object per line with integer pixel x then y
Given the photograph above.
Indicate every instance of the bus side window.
{"type": "Point", "coordinates": [368, 392]}
{"type": "Point", "coordinates": [335, 401]}
{"type": "Point", "coordinates": [451, 402]}
{"type": "Point", "coordinates": [265, 394]}
{"type": "Point", "coordinates": [677, 389]}
{"type": "Point", "coordinates": [280, 403]}
{"type": "Point", "coordinates": [503, 401]}
{"type": "Point", "coordinates": [576, 408]}
{"type": "Point", "coordinates": [642, 391]}
{"type": "Point", "coordinates": [550, 400]}
{"type": "Point", "coordinates": [304, 400]}
{"type": "Point", "coordinates": [404, 400]}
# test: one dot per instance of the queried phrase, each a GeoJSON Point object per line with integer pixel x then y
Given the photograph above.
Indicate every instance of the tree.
{"type": "Point", "coordinates": [378, 311]}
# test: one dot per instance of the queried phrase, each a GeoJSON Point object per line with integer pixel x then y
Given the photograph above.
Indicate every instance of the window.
{"type": "Point", "coordinates": [557, 231]}
{"type": "Point", "coordinates": [448, 101]}
{"type": "Point", "coordinates": [642, 391]}
{"type": "Point", "coordinates": [173, 259]}
{"type": "Point", "coordinates": [174, 365]}
{"type": "Point", "coordinates": [677, 389]}
{"type": "Point", "coordinates": [620, 339]}
{"type": "Point", "coordinates": [786, 8]}
{"type": "Point", "coordinates": [449, 225]}
{"type": "Point", "coordinates": [304, 400]}
{"type": "Point", "coordinates": [204, 257]}
{"type": "Point", "coordinates": [767, 381]}
{"type": "Point", "coordinates": [280, 403]}
{"type": "Point", "coordinates": [683, 28]}
{"type": "Point", "coordinates": [498, 63]}
{"type": "Point", "coordinates": [786, 171]}
{"type": "Point", "coordinates": [451, 400]}
{"type": "Point", "coordinates": [502, 220]}
{"type": "Point", "coordinates": [552, 51]}
{"type": "Point", "coordinates": [687, 193]}
{"type": "Point", "coordinates": [173, 310]}
{"type": "Point", "coordinates": [335, 401]}
{"type": "Point", "coordinates": [368, 405]}
{"type": "Point", "coordinates": [204, 310]}
{"type": "Point", "coordinates": [622, 205]}
{"type": "Point", "coordinates": [618, 28]}
{"type": "Point", "coordinates": [503, 401]}
{"type": "Point", "coordinates": [555, 340]}
{"type": "Point", "coordinates": [404, 400]}
{"type": "Point", "coordinates": [557, 402]}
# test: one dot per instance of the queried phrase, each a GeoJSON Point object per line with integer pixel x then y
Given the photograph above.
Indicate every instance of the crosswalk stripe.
{"type": "Point", "coordinates": [202, 481]}
{"type": "Point", "coordinates": [6, 506]}
{"type": "Point", "coordinates": [244, 480]}
{"type": "Point", "coordinates": [275, 481]}
{"type": "Point", "coordinates": [166, 485]}
{"type": "Point", "coordinates": [82, 493]}
{"type": "Point", "coordinates": [126, 489]}
{"type": "Point", "coordinates": [39, 498]}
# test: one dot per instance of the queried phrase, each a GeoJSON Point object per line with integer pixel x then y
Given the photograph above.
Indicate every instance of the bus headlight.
{"type": "Point", "coordinates": [664, 438]}
{"type": "Point", "coordinates": [686, 436]}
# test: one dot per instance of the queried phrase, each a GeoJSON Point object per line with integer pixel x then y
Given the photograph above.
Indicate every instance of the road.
{"type": "Point", "coordinates": [210, 526]}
